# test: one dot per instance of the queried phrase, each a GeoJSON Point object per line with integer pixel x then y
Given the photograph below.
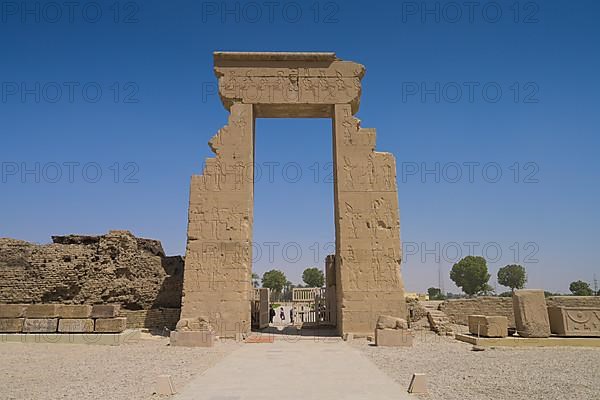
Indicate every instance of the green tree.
{"type": "Point", "coordinates": [512, 276]}
{"type": "Point", "coordinates": [471, 275]}
{"type": "Point", "coordinates": [581, 288]}
{"type": "Point", "coordinates": [274, 280]}
{"type": "Point", "coordinates": [435, 294]}
{"type": "Point", "coordinates": [313, 277]}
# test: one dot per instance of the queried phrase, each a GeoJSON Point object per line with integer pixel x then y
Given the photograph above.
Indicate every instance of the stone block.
{"type": "Point", "coordinates": [76, 325]}
{"type": "Point", "coordinates": [164, 386]}
{"type": "Point", "coordinates": [389, 322]}
{"type": "Point", "coordinates": [11, 325]}
{"type": "Point", "coordinates": [192, 338]}
{"type": "Point", "coordinates": [40, 325]}
{"type": "Point", "coordinates": [110, 325]}
{"type": "Point", "coordinates": [418, 384]}
{"type": "Point", "coordinates": [531, 314]}
{"type": "Point", "coordinates": [393, 337]}
{"type": "Point", "coordinates": [42, 311]}
{"type": "Point", "coordinates": [495, 326]}
{"type": "Point", "coordinates": [574, 321]}
{"type": "Point", "coordinates": [74, 311]}
{"type": "Point", "coordinates": [12, 310]}
{"type": "Point", "coordinates": [106, 311]}
{"type": "Point", "coordinates": [104, 339]}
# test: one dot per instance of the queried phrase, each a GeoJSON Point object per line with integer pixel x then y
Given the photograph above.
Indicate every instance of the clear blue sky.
{"type": "Point", "coordinates": [450, 88]}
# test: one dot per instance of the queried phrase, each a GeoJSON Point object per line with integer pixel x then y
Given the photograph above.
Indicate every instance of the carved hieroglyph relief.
{"type": "Point", "coordinates": [218, 262]}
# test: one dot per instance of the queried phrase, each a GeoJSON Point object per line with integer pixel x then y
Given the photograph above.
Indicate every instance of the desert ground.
{"type": "Point", "coordinates": [454, 371]}
{"type": "Point", "coordinates": [127, 372]}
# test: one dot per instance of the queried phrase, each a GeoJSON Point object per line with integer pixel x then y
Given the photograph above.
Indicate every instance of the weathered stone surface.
{"type": "Point", "coordinates": [459, 309]}
{"type": "Point", "coordinates": [113, 268]}
{"type": "Point", "coordinates": [76, 325]}
{"type": "Point", "coordinates": [393, 337]}
{"type": "Point", "coordinates": [482, 325]}
{"type": "Point", "coordinates": [53, 338]}
{"type": "Point", "coordinates": [418, 384]}
{"type": "Point", "coordinates": [105, 311]}
{"type": "Point", "coordinates": [165, 386]}
{"type": "Point", "coordinates": [438, 322]}
{"type": "Point", "coordinates": [531, 314]}
{"type": "Point", "coordinates": [193, 324]}
{"type": "Point", "coordinates": [286, 85]}
{"type": "Point", "coordinates": [161, 318]}
{"type": "Point", "coordinates": [40, 325]}
{"type": "Point", "coordinates": [11, 325]}
{"type": "Point", "coordinates": [74, 311]}
{"type": "Point", "coordinates": [42, 311]}
{"type": "Point", "coordinates": [389, 322]}
{"type": "Point", "coordinates": [12, 310]}
{"type": "Point", "coordinates": [367, 227]}
{"type": "Point", "coordinates": [110, 325]}
{"type": "Point", "coordinates": [415, 310]}
{"type": "Point", "coordinates": [192, 338]}
{"type": "Point", "coordinates": [574, 321]}
{"type": "Point", "coordinates": [219, 253]}
{"type": "Point", "coordinates": [217, 280]}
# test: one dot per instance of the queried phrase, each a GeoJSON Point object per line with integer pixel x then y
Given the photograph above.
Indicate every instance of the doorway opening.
{"type": "Point", "coordinates": [294, 227]}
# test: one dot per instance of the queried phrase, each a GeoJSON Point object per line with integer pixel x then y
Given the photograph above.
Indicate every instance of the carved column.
{"type": "Point", "coordinates": [217, 278]}
{"type": "Point", "coordinates": [368, 252]}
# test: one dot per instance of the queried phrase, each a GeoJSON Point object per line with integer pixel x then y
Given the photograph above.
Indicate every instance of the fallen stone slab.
{"type": "Point", "coordinates": [85, 325]}
{"type": "Point", "coordinates": [41, 311]}
{"type": "Point", "coordinates": [393, 337]}
{"type": "Point", "coordinates": [104, 339]}
{"type": "Point", "coordinates": [106, 311]}
{"type": "Point", "coordinates": [12, 310]}
{"type": "Point", "coordinates": [574, 321]}
{"type": "Point", "coordinates": [110, 325]}
{"type": "Point", "coordinates": [531, 313]}
{"type": "Point", "coordinates": [488, 326]}
{"type": "Point", "coordinates": [192, 338]}
{"type": "Point", "coordinates": [11, 325]}
{"type": "Point", "coordinates": [74, 311]}
{"type": "Point", "coordinates": [40, 325]}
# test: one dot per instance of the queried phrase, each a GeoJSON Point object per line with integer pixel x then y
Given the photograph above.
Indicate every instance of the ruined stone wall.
{"type": "Point", "coordinates": [154, 318]}
{"type": "Point", "coordinates": [114, 268]}
{"type": "Point", "coordinates": [459, 309]}
{"type": "Point", "coordinates": [574, 301]}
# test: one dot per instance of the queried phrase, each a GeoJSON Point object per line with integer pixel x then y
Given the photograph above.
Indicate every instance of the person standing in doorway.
{"type": "Point", "coordinates": [271, 314]}
{"type": "Point", "coordinates": [291, 315]}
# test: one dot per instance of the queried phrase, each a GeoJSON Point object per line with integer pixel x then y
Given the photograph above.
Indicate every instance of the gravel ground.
{"type": "Point", "coordinates": [128, 372]}
{"type": "Point", "coordinates": [455, 372]}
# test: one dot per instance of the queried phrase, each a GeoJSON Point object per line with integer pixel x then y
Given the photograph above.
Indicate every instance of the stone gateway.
{"type": "Point", "coordinates": [218, 266]}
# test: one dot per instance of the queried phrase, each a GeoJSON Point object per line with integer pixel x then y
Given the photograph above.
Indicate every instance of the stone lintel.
{"type": "Point", "coordinates": [221, 57]}
{"type": "Point", "coordinates": [288, 84]}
